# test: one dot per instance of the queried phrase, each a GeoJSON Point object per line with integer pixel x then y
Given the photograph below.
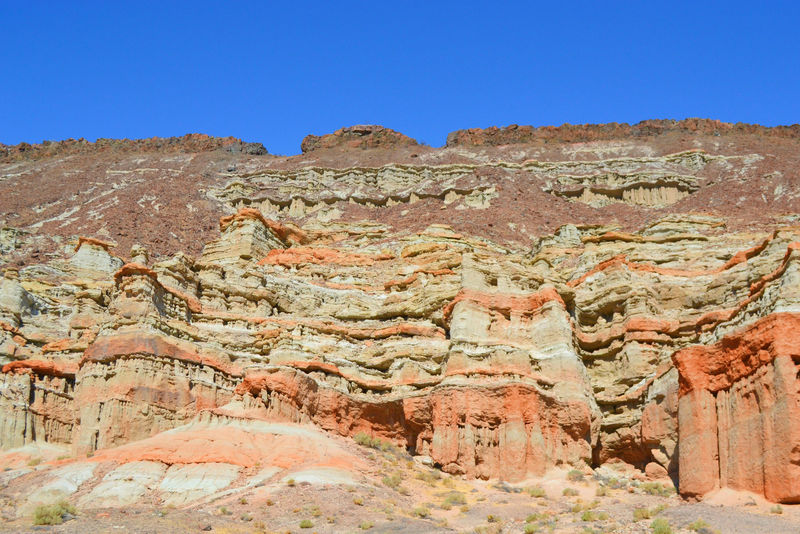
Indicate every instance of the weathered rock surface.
{"type": "Point", "coordinates": [671, 347]}
{"type": "Point", "coordinates": [361, 136]}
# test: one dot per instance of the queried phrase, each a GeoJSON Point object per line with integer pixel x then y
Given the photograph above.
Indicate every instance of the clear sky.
{"type": "Point", "coordinates": [274, 72]}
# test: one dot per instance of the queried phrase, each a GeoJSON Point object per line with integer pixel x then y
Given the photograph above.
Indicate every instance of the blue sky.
{"type": "Point", "coordinates": [274, 72]}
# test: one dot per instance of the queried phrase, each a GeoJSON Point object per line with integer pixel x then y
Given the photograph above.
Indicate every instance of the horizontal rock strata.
{"type": "Point", "coordinates": [494, 362]}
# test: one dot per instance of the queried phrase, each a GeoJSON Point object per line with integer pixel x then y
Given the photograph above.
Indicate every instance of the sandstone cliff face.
{"type": "Point", "coordinates": [670, 347]}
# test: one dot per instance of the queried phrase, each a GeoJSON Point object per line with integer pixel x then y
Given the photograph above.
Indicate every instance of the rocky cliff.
{"type": "Point", "coordinates": [500, 306]}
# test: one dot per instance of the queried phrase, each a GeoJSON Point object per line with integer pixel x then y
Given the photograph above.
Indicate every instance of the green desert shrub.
{"type": "Point", "coordinates": [698, 525]}
{"type": "Point", "coordinates": [52, 514]}
{"type": "Point", "coordinates": [661, 526]}
{"type": "Point", "coordinates": [536, 491]}
{"type": "Point", "coordinates": [422, 511]}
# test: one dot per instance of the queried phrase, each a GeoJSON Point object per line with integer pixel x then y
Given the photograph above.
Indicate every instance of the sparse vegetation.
{"type": "Point", "coordinates": [306, 523]}
{"type": "Point", "coordinates": [52, 514]}
{"type": "Point", "coordinates": [365, 440]}
{"type": "Point", "coordinates": [698, 525]}
{"type": "Point", "coordinates": [575, 475]}
{"type": "Point", "coordinates": [290, 482]}
{"type": "Point", "coordinates": [246, 517]}
{"type": "Point", "coordinates": [777, 509]}
{"type": "Point", "coordinates": [536, 491]}
{"type": "Point", "coordinates": [615, 483]}
{"type": "Point", "coordinates": [569, 492]}
{"type": "Point", "coordinates": [224, 511]}
{"type": "Point", "coordinates": [33, 462]}
{"type": "Point", "coordinates": [602, 491]}
{"type": "Point", "coordinates": [538, 516]}
{"type": "Point", "coordinates": [453, 498]}
{"type": "Point", "coordinates": [429, 477]}
{"type": "Point", "coordinates": [392, 481]}
{"type": "Point", "coordinates": [588, 515]}
{"type": "Point", "coordinates": [243, 500]}
{"type": "Point", "coordinates": [654, 488]}
{"type": "Point", "coordinates": [492, 519]}
{"type": "Point", "coordinates": [531, 529]}
{"type": "Point", "coordinates": [661, 526]}
{"type": "Point", "coordinates": [358, 501]}
{"type": "Point", "coordinates": [421, 511]}
{"type": "Point", "coordinates": [647, 513]}
{"type": "Point", "coordinates": [365, 525]}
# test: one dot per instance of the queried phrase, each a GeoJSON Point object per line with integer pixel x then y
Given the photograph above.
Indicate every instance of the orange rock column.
{"type": "Point", "coordinates": [739, 411]}
{"type": "Point", "coordinates": [698, 451]}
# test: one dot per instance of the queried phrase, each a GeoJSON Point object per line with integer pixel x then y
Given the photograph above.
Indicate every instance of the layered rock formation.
{"type": "Point", "coordinates": [670, 347]}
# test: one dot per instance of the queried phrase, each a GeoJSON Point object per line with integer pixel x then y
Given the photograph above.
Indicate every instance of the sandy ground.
{"type": "Point", "coordinates": [401, 495]}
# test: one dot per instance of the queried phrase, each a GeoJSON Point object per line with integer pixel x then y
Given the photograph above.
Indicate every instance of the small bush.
{"type": "Point", "coordinates": [645, 513]}
{"type": "Point", "coordinates": [538, 516]}
{"type": "Point", "coordinates": [243, 501]}
{"type": "Point", "coordinates": [777, 509]}
{"type": "Point", "coordinates": [536, 491]}
{"type": "Point", "coordinates": [698, 525]}
{"type": "Point", "coordinates": [531, 529]}
{"type": "Point", "coordinates": [306, 523]}
{"type": "Point", "coordinates": [421, 511]}
{"type": "Point", "coordinates": [575, 475]}
{"type": "Point", "coordinates": [588, 515]}
{"type": "Point", "coordinates": [654, 488]}
{"type": "Point", "coordinates": [602, 491]}
{"type": "Point", "coordinates": [225, 511]}
{"type": "Point", "coordinates": [429, 477]}
{"type": "Point", "coordinates": [365, 525]}
{"type": "Point", "coordinates": [270, 502]}
{"type": "Point", "coordinates": [52, 514]}
{"type": "Point", "coordinates": [661, 526]}
{"type": "Point", "coordinates": [358, 501]}
{"type": "Point", "coordinates": [246, 517]}
{"type": "Point", "coordinates": [34, 462]}
{"type": "Point", "coordinates": [365, 440]}
{"type": "Point", "coordinates": [492, 519]}
{"type": "Point", "coordinates": [454, 498]}
{"type": "Point", "coordinates": [392, 481]}
{"type": "Point", "coordinates": [290, 482]}
{"type": "Point", "coordinates": [569, 492]}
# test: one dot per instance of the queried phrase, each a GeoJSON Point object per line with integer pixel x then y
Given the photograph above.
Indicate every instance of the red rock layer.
{"type": "Point", "coordinates": [739, 411]}
{"type": "Point", "coordinates": [362, 136]}
{"type": "Point", "coordinates": [504, 430]}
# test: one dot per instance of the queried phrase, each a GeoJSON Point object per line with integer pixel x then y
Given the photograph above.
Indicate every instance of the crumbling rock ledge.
{"type": "Point", "coordinates": [361, 136]}
{"type": "Point", "coordinates": [581, 133]}
{"type": "Point", "coordinates": [186, 143]}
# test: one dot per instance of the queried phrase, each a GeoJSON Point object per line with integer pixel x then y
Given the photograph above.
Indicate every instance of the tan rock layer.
{"type": "Point", "coordinates": [494, 362]}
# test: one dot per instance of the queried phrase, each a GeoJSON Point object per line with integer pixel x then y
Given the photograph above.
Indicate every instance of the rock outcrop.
{"type": "Point", "coordinates": [360, 136]}
{"type": "Point", "coordinates": [322, 299]}
{"type": "Point", "coordinates": [580, 133]}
